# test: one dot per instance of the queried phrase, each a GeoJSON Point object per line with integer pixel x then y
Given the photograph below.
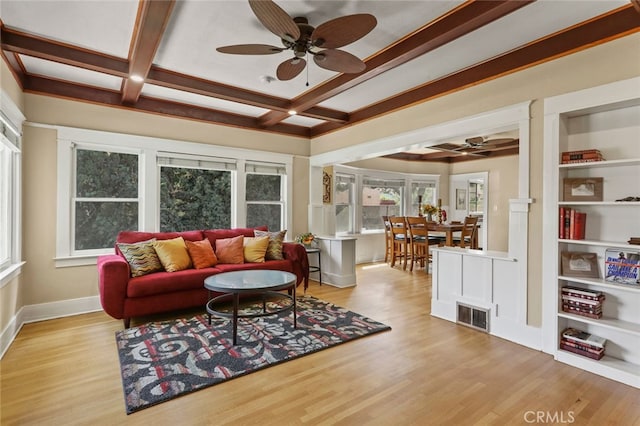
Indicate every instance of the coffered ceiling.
{"type": "Point", "coordinates": [88, 50]}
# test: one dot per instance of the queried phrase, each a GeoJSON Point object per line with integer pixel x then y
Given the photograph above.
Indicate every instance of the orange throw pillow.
{"type": "Point", "coordinates": [230, 250]}
{"type": "Point", "coordinates": [201, 254]}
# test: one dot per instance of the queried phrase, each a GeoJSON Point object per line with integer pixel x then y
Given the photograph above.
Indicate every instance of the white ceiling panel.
{"type": "Point", "coordinates": [532, 23]}
{"type": "Point", "coordinates": [201, 100]}
{"type": "Point", "coordinates": [102, 25]}
{"type": "Point", "coordinates": [198, 27]}
{"type": "Point", "coordinates": [302, 121]}
{"type": "Point", "coordinates": [68, 73]}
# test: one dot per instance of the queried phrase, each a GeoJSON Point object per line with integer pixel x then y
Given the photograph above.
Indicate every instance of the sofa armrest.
{"type": "Point", "coordinates": [113, 278]}
{"type": "Point", "coordinates": [298, 256]}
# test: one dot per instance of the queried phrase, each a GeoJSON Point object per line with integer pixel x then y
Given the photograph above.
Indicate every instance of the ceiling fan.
{"type": "Point", "coordinates": [297, 35]}
{"type": "Point", "coordinates": [478, 145]}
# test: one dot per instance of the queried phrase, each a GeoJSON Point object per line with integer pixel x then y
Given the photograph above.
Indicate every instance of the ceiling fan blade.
{"type": "Point", "coordinates": [340, 61]}
{"type": "Point", "coordinates": [275, 19]}
{"type": "Point", "coordinates": [250, 49]}
{"type": "Point", "coordinates": [499, 141]}
{"type": "Point", "coordinates": [290, 68]}
{"type": "Point", "coordinates": [342, 31]}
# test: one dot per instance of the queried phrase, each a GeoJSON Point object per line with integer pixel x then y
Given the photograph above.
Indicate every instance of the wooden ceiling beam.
{"type": "Point", "coordinates": [462, 20]}
{"type": "Point", "coordinates": [178, 81]}
{"type": "Point", "coordinates": [151, 22]}
{"type": "Point", "coordinates": [64, 89]}
{"type": "Point", "coordinates": [618, 23]}
{"type": "Point", "coordinates": [38, 47]}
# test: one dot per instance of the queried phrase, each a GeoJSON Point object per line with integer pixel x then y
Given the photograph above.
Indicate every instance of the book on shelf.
{"type": "Point", "coordinates": [577, 351]}
{"type": "Point", "coordinates": [582, 292]}
{"type": "Point", "coordinates": [581, 156]}
{"type": "Point", "coordinates": [583, 338]}
{"type": "Point", "coordinates": [582, 347]}
{"type": "Point", "coordinates": [593, 314]}
{"type": "Point", "coordinates": [572, 223]}
{"type": "Point", "coordinates": [622, 266]}
{"type": "Point", "coordinates": [586, 302]}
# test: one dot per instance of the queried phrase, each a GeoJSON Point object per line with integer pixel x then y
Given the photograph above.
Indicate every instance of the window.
{"type": "Point", "coordinates": [10, 209]}
{"type": "Point", "coordinates": [425, 189]}
{"type": "Point", "coordinates": [264, 195]}
{"type": "Point", "coordinates": [476, 198]}
{"type": "Point", "coordinates": [380, 198]}
{"type": "Point", "coordinates": [345, 187]}
{"type": "Point", "coordinates": [195, 193]}
{"type": "Point", "coordinates": [106, 197]}
{"type": "Point", "coordinates": [110, 182]}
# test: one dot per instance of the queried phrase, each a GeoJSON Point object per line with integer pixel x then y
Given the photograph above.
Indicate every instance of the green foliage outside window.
{"type": "Point", "coordinates": [264, 201]}
{"type": "Point", "coordinates": [194, 199]}
{"type": "Point", "coordinates": [104, 175]}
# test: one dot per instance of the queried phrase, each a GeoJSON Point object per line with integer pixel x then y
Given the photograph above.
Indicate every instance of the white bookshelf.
{"type": "Point", "coordinates": [606, 118]}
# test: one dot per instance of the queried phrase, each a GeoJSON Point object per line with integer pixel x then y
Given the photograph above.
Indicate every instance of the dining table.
{"type": "Point", "coordinates": [447, 228]}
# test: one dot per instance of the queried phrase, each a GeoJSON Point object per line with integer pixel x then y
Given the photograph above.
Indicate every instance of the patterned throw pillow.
{"type": "Point", "coordinates": [230, 250]}
{"type": "Point", "coordinates": [255, 249]}
{"type": "Point", "coordinates": [201, 254]}
{"type": "Point", "coordinates": [274, 250]}
{"type": "Point", "coordinates": [141, 256]}
{"type": "Point", "coordinates": [173, 254]}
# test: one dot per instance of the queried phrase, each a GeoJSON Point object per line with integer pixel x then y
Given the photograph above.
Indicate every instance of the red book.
{"type": "Point", "coordinates": [582, 156]}
{"type": "Point", "coordinates": [561, 234]}
{"type": "Point", "coordinates": [579, 224]}
{"type": "Point", "coordinates": [582, 151]}
{"type": "Point", "coordinates": [572, 224]}
{"type": "Point", "coordinates": [567, 222]}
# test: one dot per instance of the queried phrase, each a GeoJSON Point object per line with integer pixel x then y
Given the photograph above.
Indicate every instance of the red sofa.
{"type": "Point", "coordinates": [124, 297]}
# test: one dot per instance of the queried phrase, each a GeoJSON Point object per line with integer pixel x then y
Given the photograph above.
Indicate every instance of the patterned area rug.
{"type": "Point", "coordinates": [162, 360]}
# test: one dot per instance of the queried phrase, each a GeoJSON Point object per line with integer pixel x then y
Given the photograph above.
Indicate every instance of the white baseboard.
{"type": "Point", "coordinates": [46, 311]}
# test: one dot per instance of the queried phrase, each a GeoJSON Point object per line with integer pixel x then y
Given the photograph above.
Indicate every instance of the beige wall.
{"type": "Point", "coordinates": [41, 282]}
{"type": "Point", "coordinates": [613, 61]}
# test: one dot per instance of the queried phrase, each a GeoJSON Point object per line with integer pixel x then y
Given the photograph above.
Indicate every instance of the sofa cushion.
{"type": "Point", "coordinates": [201, 254]}
{"type": "Point", "coordinates": [275, 265]}
{"type": "Point", "coordinates": [230, 250]}
{"type": "Point", "coordinates": [141, 256]}
{"type": "Point", "coordinates": [214, 234]}
{"type": "Point", "coordinates": [137, 236]}
{"type": "Point", "coordinates": [255, 248]}
{"type": "Point", "coordinates": [274, 250]}
{"type": "Point", "coordinates": [173, 254]}
{"type": "Point", "coordinates": [169, 282]}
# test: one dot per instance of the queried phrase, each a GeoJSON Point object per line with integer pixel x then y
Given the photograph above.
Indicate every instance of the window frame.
{"type": "Point", "coordinates": [361, 174]}
{"type": "Point", "coordinates": [148, 149]}
{"type": "Point", "coordinates": [268, 169]}
{"type": "Point", "coordinates": [11, 119]}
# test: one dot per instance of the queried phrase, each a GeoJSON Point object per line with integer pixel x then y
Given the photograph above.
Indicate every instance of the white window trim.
{"type": "Point", "coordinates": [12, 118]}
{"type": "Point", "coordinates": [148, 148]}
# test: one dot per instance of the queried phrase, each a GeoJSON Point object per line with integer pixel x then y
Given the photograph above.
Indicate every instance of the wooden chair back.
{"type": "Point", "coordinates": [468, 234]}
{"type": "Point", "coordinates": [400, 240]}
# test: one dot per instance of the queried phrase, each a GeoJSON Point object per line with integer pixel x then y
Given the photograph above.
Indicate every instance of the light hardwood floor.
{"type": "Point", "coordinates": [425, 371]}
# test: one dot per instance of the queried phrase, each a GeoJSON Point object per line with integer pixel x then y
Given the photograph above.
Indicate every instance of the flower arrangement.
{"type": "Point", "coordinates": [306, 238]}
{"type": "Point", "coordinates": [430, 209]}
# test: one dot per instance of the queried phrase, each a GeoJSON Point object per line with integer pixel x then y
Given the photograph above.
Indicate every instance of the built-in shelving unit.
{"type": "Point", "coordinates": [606, 118]}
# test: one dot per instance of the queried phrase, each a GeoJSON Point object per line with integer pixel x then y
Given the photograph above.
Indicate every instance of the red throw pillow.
{"type": "Point", "coordinates": [230, 250]}
{"type": "Point", "coordinates": [201, 254]}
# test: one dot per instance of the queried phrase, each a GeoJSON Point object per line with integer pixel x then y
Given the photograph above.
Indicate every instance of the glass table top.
{"type": "Point", "coordinates": [250, 280]}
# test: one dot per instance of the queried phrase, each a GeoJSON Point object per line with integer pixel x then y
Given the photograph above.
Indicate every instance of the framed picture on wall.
{"type": "Point", "coordinates": [461, 199]}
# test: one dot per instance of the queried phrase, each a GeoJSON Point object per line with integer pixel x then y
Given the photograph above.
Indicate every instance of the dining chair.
{"type": "Point", "coordinates": [400, 241]}
{"type": "Point", "coordinates": [388, 237]}
{"type": "Point", "coordinates": [468, 235]}
{"type": "Point", "coordinates": [420, 241]}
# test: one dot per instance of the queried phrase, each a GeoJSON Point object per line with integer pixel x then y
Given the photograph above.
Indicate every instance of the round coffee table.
{"type": "Point", "coordinates": [256, 282]}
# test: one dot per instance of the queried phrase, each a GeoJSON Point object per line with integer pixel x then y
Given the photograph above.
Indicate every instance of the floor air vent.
{"type": "Point", "coordinates": [473, 317]}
